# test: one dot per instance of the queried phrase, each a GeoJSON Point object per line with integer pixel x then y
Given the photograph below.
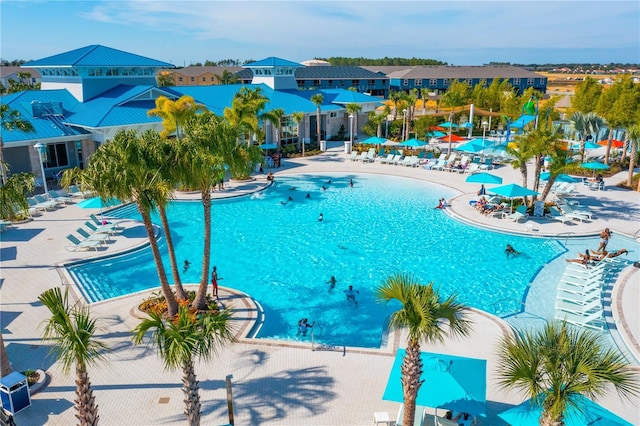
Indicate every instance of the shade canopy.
{"type": "Point", "coordinates": [470, 147]}
{"type": "Point", "coordinates": [98, 203]}
{"type": "Point", "coordinates": [614, 143]}
{"type": "Point", "coordinates": [450, 382]}
{"type": "Point", "coordinates": [374, 140]}
{"type": "Point", "coordinates": [594, 165]}
{"type": "Point", "coordinates": [389, 142]}
{"type": "Point", "coordinates": [437, 128]}
{"type": "Point", "coordinates": [268, 146]}
{"type": "Point", "coordinates": [528, 414]}
{"type": "Point", "coordinates": [448, 125]}
{"type": "Point", "coordinates": [454, 138]}
{"type": "Point", "coordinates": [482, 142]}
{"type": "Point", "coordinates": [413, 143]}
{"type": "Point", "coordinates": [559, 178]}
{"type": "Point", "coordinates": [513, 190]}
{"type": "Point", "coordinates": [436, 134]}
{"type": "Point", "coordinates": [466, 125]}
{"type": "Point", "coordinates": [587, 145]}
{"type": "Point", "coordinates": [484, 177]}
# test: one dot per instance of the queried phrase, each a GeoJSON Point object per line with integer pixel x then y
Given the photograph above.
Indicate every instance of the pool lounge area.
{"type": "Point", "coordinates": [332, 381]}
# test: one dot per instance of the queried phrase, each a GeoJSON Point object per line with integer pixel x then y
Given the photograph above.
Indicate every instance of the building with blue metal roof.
{"type": "Point", "coordinates": [91, 93]}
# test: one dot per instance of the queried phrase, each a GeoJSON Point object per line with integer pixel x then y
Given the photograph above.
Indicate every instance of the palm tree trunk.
{"type": "Point", "coordinates": [537, 170]}
{"type": "Point", "coordinates": [609, 143]}
{"type": "Point", "coordinates": [411, 372]}
{"type": "Point", "coordinates": [318, 126]}
{"type": "Point", "coordinates": [190, 388]}
{"type": "Point", "coordinates": [200, 301]}
{"type": "Point", "coordinates": [625, 147]}
{"type": "Point", "coordinates": [85, 402]}
{"type": "Point", "coordinates": [523, 171]}
{"type": "Point", "coordinates": [2, 165]}
{"type": "Point", "coordinates": [180, 294]}
{"type": "Point", "coordinates": [172, 304]}
{"type": "Point", "coordinates": [547, 188]}
{"type": "Point", "coordinates": [4, 359]}
{"type": "Point", "coordinates": [632, 160]}
{"type": "Point", "coordinates": [300, 138]}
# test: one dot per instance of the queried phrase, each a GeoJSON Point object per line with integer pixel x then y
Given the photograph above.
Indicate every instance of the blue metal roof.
{"type": "Point", "coordinates": [49, 125]}
{"type": "Point", "coordinates": [272, 61]}
{"type": "Point", "coordinates": [96, 55]}
{"type": "Point", "coordinates": [344, 97]}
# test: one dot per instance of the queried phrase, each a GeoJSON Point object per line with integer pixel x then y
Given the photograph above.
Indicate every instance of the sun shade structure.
{"type": "Point", "coordinates": [469, 147]}
{"type": "Point", "coordinates": [614, 143]}
{"type": "Point", "coordinates": [98, 203]}
{"type": "Point", "coordinates": [587, 145]}
{"type": "Point", "coordinates": [413, 143]}
{"type": "Point", "coordinates": [454, 138]}
{"type": "Point", "coordinates": [450, 382]}
{"type": "Point", "coordinates": [448, 125]}
{"type": "Point", "coordinates": [487, 178]}
{"type": "Point", "coordinates": [374, 140]}
{"type": "Point", "coordinates": [594, 165]}
{"type": "Point", "coordinates": [268, 146]}
{"type": "Point", "coordinates": [589, 413]}
{"type": "Point", "coordinates": [436, 134]}
{"type": "Point", "coordinates": [513, 191]}
{"type": "Point", "coordinates": [560, 178]}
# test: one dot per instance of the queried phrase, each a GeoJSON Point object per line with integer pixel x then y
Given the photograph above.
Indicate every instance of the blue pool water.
{"type": "Point", "coordinates": [283, 256]}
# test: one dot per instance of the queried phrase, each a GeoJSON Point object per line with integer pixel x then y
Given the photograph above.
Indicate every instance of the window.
{"type": "Point", "coordinates": [470, 82]}
{"type": "Point", "coordinates": [372, 83]}
{"type": "Point", "coordinates": [333, 115]}
{"type": "Point", "coordinates": [355, 83]}
{"type": "Point", "coordinates": [418, 82]}
{"type": "Point", "coordinates": [57, 155]}
{"type": "Point", "coordinates": [406, 82]}
{"type": "Point", "coordinates": [180, 79]}
{"type": "Point", "coordinates": [516, 82]}
{"type": "Point", "coordinates": [342, 83]}
{"type": "Point", "coordinates": [193, 79]}
{"type": "Point", "coordinates": [330, 83]}
{"type": "Point", "coordinates": [316, 83]}
{"type": "Point", "coordinates": [213, 79]}
{"type": "Point", "coordinates": [433, 82]}
{"type": "Point", "coordinates": [530, 82]}
{"type": "Point", "coordinates": [445, 81]}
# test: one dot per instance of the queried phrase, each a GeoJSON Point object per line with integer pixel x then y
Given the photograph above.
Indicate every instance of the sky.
{"type": "Point", "coordinates": [456, 32]}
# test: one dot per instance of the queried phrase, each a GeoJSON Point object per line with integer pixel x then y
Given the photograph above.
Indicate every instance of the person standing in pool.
{"type": "Point", "coordinates": [351, 295]}
{"type": "Point", "coordinates": [332, 282]}
{"type": "Point", "coordinates": [604, 239]}
{"type": "Point", "coordinates": [214, 281]}
{"type": "Point", "coordinates": [186, 265]}
{"type": "Point", "coordinates": [320, 218]}
{"type": "Point", "coordinates": [351, 183]}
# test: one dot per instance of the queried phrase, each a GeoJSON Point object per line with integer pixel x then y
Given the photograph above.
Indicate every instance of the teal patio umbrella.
{"type": "Point", "coordinates": [374, 140]}
{"type": "Point", "coordinates": [513, 191]}
{"type": "Point", "coordinates": [267, 146]}
{"type": "Point", "coordinates": [436, 134]}
{"type": "Point", "coordinates": [469, 147]}
{"type": "Point", "coordinates": [560, 178]}
{"type": "Point", "coordinates": [594, 165]}
{"type": "Point", "coordinates": [450, 382]}
{"type": "Point", "coordinates": [449, 125]}
{"type": "Point", "coordinates": [587, 145]}
{"type": "Point", "coordinates": [413, 143]}
{"type": "Point", "coordinates": [484, 177]}
{"type": "Point", "coordinates": [585, 412]}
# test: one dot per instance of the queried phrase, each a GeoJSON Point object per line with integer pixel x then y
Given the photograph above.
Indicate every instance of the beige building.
{"type": "Point", "coordinates": [198, 76]}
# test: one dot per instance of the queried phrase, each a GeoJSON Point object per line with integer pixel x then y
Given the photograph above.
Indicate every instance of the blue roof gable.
{"type": "Point", "coordinates": [96, 55]}
{"type": "Point", "coordinates": [47, 126]}
{"type": "Point", "coordinates": [272, 61]}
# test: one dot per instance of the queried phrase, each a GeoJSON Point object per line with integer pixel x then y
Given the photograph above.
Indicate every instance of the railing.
{"type": "Point", "coordinates": [323, 347]}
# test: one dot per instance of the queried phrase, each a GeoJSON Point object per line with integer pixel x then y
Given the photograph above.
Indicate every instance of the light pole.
{"type": "Point", "coordinates": [404, 119]}
{"type": "Point", "coordinates": [485, 124]}
{"type": "Point", "coordinates": [41, 149]}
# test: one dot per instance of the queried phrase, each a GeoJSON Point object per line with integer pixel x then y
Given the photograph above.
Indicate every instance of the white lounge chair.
{"type": "Point", "coordinates": [93, 237]}
{"type": "Point", "coordinates": [575, 308]}
{"type": "Point", "coordinates": [580, 299]}
{"type": "Point", "coordinates": [581, 289]}
{"type": "Point", "coordinates": [593, 320]}
{"type": "Point", "coordinates": [102, 229]}
{"type": "Point", "coordinates": [555, 214]}
{"type": "Point", "coordinates": [64, 199]}
{"type": "Point", "coordinates": [77, 244]}
{"type": "Point", "coordinates": [353, 156]}
{"type": "Point", "coordinates": [362, 156]}
{"type": "Point", "coordinates": [43, 200]}
{"type": "Point", "coordinates": [520, 213]}
{"type": "Point", "coordinates": [74, 191]}
{"type": "Point", "coordinates": [383, 159]}
{"type": "Point", "coordinates": [41, 206]}
{"type": "Point", "coordinates": [371, 156]}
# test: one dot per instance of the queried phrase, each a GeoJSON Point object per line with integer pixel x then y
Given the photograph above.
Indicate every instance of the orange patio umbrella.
{"type": "Point", "coordinates": [454, 138]}
{"type": "Point", "coordinates": [614, 143]}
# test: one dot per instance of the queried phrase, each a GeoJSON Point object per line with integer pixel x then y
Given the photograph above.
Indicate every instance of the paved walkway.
{"type": "Point", "coordinates": [273, 382]}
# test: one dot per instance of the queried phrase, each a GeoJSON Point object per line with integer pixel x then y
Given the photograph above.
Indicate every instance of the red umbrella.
{"type": "Point", "coordinates": [454, 138]}
{"type": "Point", "coordinates": [614, 143]}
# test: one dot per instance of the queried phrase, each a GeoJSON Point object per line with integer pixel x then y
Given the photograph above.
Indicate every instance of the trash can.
{"type": "Point", "coordinates": [347, 147]}
{"type": "Point", "coordinates": [323, 146]}
{"type": "Point", "coordinates": [14, 392]}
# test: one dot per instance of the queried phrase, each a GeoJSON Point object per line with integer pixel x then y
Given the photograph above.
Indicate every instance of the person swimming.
{"type": "Point", "coordinates": [510, 251]}
{"type": "Point", "coordinates": [351, 183]}
{"type": "Point", "coordinates": [185, 266]}
{"type": "Point", "coordinates": [304, 326]}
{"type": "Point", "coordinates": [332, 282]}
{"type": "Point", "coordinates": [308, 195]}
{"type": "Point", "coordinates": [320, 218]}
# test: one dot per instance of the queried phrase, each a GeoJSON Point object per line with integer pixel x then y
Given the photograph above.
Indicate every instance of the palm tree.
{"type": "Point", "coordinates": [634, 136]}
{"type": "Point", "coordinates": [125, 169]}
{"type": "Point", "coordinates": [13, 196]}
{"type": "Point", "coordinates": [428, 318]}
{"type": "Point", "coordinates": [227, 77]}
{"type": "Point", "coordinates": [275, 117]}
{"type": "Point", "coordinates": [395, 97]}
{"type": "Point", "coordinates": [10, 120]}
{"type": "Point", "coordinates": [245, 111]}
{"type": "Point", "coordinates": [318, 99]}
{"type": "Point", "coordinates": [424, 96]}
{"type": "Point", "coordinates": [298, 117]}
{"type": "Point", "coordinates": [555, 364]}
{"type": "Point", "coordinates": [521, 155]}
{"type": "Point", "coordinates": [560, 163]}
{"type": "Point", "coordinates": [72, 330]}
{"type": "Point", "coordinates": [183, 339]}
{"type": "Point", "coordinates": [354, 109]}
{"type": "Point", "coordinates": [164, 79]}
{"type": "Point", "coordinates": [174, 113]}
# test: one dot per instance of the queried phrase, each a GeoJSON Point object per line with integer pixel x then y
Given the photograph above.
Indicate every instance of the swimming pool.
{"type": "Point", "coordinates": [282, 255]}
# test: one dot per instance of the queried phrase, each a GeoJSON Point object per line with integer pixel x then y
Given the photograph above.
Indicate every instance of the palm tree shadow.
{"type": "Point", "coordinates": [270, 398]}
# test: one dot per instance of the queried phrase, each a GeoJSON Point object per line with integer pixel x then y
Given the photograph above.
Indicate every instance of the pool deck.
{"type": "Point", "coordinates": [273, 382]}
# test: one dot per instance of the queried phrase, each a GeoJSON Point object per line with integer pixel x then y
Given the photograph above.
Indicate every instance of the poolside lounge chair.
{"type": "Point", "coordinates": [353, 156]}
{"type": "Point", "coordinates": [410, 161]}
{"type": "Point", "coordinates": [41, 206]}
{"type": "Point", "coordinates": [74, 191]}
{"type": "Point", "coordinates": [362, 156]}
{"type": "Point", "coordinates": [4, 224]}
{"type": "Point", "coordinates": [580, 213]}
{"type": "Point", "coordinates": [520, 213]}
{"type": "Point", "coordinates": [593, 320]}
{"type": "Point", "coordinates": [580, 299]}
{"type": "Point", "coordinates": [371, 156]}
{"type": "Point", "coordinates": [384, 159]}
{"type": "Point", "coordinates": [555, 214]}
{"type": "Point", "coordinates": [42, 199]}
{"type": "Point", "coordinates": [102, 229]}
{"type": "Point", "coordinates": [487, 164]}
{"type": "Point", "coordinates": [93, 237]}
{"type": "Point", "coordinates": [77, 244]}
{"type": "Point", "coordinates": [60, 198]}
{"type": "Point", "coordinates": [472, 168]}
{"type": "Point", "coordinates": [440, 421]}
{"type": "Point", "coordinates": [99, 222]}
{"type": "Point", "coordinates": [574, 308]}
